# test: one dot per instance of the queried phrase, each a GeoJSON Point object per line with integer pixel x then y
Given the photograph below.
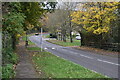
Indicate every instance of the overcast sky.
{"type": "Point", "coordinates": [59, 0]}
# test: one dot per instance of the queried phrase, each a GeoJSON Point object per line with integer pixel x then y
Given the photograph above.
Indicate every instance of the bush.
{"type": "Point", "coordinates": [7, 71]}
{"type": "Point", "coordinates": [9, 57]}
{"type": "Point", "coordinates": [14, 58]}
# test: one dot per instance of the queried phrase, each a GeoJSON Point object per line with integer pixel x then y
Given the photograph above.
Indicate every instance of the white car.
{"type": "Point", "coordinates": [78, 37]}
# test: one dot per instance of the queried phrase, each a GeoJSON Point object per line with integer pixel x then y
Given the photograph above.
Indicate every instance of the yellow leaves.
{"type": "Point", "coordinates": [90, 29]}
{"type": "Point", "coordinates": [24, 33]}
{"type": "Point", "coordinates": [83, 17]}
{"type": "Point", "coordinates": [96, 19]}
{"type": "Point", "coordinates": [28, 25]}
{"type": "Point", "coordinates": [76, 21]}
{"type": "Point", "coordinates": [101, 30]}
{"type": "Point", "coordinates": [75, 14]}
{"type": "Point", "coordinates": [97, 31]}
{"type": "Point", "coordinates": [97, 16]}
{"type": "Point", "coordinates": [111, 3]}
{"type": "Point", "coordinates": [105, 29]}
{"type": "Point", "coordinates": [94, 9]}
{"type": "Point", "coordinates": [84, 27]}
{"type": "Point", "coordinates": [18, 35]}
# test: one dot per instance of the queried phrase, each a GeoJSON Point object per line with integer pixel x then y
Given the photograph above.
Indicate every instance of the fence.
{"type": "Point", "coordinates": [106, 46]}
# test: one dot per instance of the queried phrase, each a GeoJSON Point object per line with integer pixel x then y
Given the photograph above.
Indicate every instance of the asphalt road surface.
{"type": "Point", "coordinates": [106, 65]}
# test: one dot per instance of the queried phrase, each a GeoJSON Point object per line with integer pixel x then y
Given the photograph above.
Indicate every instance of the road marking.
{"type": "Point", "coordinates": [107, 62]}
{"type": "Point", "coordinates": [53, 48]}
{"type": "Point", "coordinates": [86, 56]}
{"type": "Point", "coordinates": [45, 48]}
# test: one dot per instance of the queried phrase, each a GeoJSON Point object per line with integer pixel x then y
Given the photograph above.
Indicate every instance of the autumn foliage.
{"type": "Point", "coordinates": [96, 17]}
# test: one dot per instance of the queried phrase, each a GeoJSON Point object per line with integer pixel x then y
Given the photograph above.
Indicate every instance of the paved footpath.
{"type": "Point", "coordinates": [25, 68]}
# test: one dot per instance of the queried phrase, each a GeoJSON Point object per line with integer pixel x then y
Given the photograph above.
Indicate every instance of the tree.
{"type": "Point", "coordinates": [96, 17]}
{"type": "Point", "coordinates": [13, 21]}
{"type": "Point", "coordinates": [69, 7]}
{"type": "Point", "coordinates": [57, 23]}
{"type": "Point", "coordinates": [93, 16]}
{"type": "Point", "coordinates": [33, 12]}
{"type": "Point", "coordinates": [22, 16]}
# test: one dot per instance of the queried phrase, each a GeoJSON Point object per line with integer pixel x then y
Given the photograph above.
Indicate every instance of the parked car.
{"type": "Point", "coordinates": [36, 34]}
{"type": "Point", "coordinates": [53, 36]}
{"type": "Point", "coordinates": [78, 37]}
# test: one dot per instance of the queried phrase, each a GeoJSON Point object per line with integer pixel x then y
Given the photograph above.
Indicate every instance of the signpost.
{"type": "Point", "coordinates": [41, 39]}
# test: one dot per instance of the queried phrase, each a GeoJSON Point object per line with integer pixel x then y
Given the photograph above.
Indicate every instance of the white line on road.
{"type": "Point", "coordinates": [53, 48]}
{"type": "Point", "coordinates": [45, 48]}
{"type": "Point", "coordinates": [86, 56]}
{"type": "Point", "coordinates": [107, 62]}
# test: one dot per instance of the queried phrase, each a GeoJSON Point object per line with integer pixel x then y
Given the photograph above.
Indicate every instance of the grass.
{"type": "Point", "coordinates": [68, 43]}
{"type": "Point", "coordinates": [56, 67]}
{"type": "Point", "coordinates": [52, 66]}
{"type": "Point", "coordinates": [34, 48]}
{"type": "Point", "coordinates": [24, 37]}
{"type": "Point", "coordinates": [29, 42]}
{"type": "Point", "coordinates": [47, 36]}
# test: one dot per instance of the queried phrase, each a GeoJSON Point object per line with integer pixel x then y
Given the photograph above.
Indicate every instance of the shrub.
{"type": "Point", "coordinates": [7, 71]}
{"type": "Point", "coordinates": [14, 58]}
{"type": "Point", "coordinates": [9, 57]}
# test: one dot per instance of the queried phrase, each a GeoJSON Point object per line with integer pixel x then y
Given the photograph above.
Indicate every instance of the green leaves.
{"type": "Point", "coordinates": [7, 71]}
{"type": "Point", "coordinates": [32, 11]}
{"type": "Point", "coordinates": [13, 22]}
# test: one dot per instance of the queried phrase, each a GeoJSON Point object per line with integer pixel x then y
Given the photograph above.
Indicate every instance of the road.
{"type": "Point", "coordinates": [105, 65]}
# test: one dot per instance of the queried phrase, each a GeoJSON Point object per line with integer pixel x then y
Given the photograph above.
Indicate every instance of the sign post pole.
{"type": "Point", "coordinates": [41, 39]}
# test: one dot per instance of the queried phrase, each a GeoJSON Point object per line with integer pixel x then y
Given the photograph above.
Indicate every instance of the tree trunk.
{"type": "Point", "coordinates": [71, 37]}
{"type": "Point", "coordinates": [13, 41]}
{"type": "Point", "coordinates": [61, 37]}
{"type": "Point", "coordinates": [64, 38]}
{"type": "Point", "coordinates": [64, 35]}
{"type": "Point", "coordinates": [26, 42]}
{"type": "Point", "coordinates": [58, 36]}
{"type": "Point", "coordinates": [70, 28]}
{"type": "Point", "coordinates": [81, 41]}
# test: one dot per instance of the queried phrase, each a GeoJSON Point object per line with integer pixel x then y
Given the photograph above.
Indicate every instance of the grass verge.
{"type": "Point", "coordinates": [29, 42]}
{"type": "Point", "coordinates": [24, 37]}
{"type": "Point", "coordinates": [61, 43]}
{"type": "Point", "coordinates": [56, 67]}
{"type": "Point", "coordinates": [33, 48]}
